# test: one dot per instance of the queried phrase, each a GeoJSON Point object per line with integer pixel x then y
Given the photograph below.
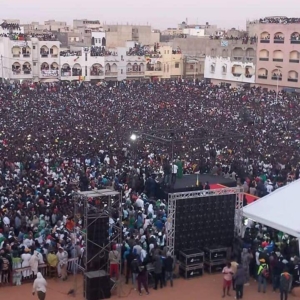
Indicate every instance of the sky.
{"type": "Point", "coordinates": [160, 14]}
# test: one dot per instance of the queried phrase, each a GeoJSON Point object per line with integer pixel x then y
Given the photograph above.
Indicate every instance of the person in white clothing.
{"type": "Point", "coordinates": [62, 263]}
{"type": "Point", "coordinates": [39, 286]}
{"type": "Point", "coordinates": [174, 172]}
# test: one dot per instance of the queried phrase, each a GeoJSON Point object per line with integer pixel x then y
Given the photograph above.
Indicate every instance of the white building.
{"type": "Point", "coordinates": [200, 32]}
{"type": "Point", "coordinates": [226, 70]}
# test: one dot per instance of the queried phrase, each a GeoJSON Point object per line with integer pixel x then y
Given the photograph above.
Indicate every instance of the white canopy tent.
{"type": "Point", "coordinates": [279, 210]}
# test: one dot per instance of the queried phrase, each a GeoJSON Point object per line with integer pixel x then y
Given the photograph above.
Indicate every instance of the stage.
{"type": "Point", "coordinates": [189, 182]}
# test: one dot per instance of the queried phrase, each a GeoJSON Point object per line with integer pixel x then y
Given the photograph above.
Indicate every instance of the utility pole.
{"type": "Point", "coordinates": [2, 79]}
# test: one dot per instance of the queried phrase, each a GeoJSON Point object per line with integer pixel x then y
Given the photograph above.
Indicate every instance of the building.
{"type": "Point", "coordinates": [118, 35]}
{"type": "Point", "coordinates": [51, 25]}
{"type": "Point", "coordinates": [278, 52]}
{"type": "Point", "coordinates": [165, 65]}
{"type": "Point", "coordinates": [193, 67]}
{"type": "Point", "coordinates": [231, 62]}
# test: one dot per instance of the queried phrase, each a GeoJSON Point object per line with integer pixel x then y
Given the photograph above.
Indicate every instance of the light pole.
{"type": "Point", "coordinates": [277, 84]}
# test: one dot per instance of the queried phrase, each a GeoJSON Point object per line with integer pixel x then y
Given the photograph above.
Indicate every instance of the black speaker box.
{"type": "Point", "coordinates": [96, 285]}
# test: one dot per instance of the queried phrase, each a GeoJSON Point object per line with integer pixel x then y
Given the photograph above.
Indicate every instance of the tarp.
{"type": "Point", "coordinates": [279, 210]}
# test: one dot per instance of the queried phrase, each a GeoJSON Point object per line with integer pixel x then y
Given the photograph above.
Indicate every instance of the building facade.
{"type": "Point", "coordinates": [230, 62]}
{"type": "Point", "coordinates": [278, 54]}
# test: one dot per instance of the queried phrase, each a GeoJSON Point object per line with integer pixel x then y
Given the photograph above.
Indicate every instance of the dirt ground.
{"type": "Point", "coordinates": [206, 287]}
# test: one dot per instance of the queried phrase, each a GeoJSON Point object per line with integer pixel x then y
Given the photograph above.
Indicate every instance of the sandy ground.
{"type": "Point", "coordinates": [206, 287]}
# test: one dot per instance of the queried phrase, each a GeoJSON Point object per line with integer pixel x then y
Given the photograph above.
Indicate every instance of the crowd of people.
{"type": "Point", "coordinates": [245, 39]}
{"type": "Point", "coordinates": [67, 53]}
{"type": "Point", "coordinates": [280, 20]}
{"type": "Point", "coordinates": [10, 26]}
{"type": "Point", "coordinates": [55, 135]}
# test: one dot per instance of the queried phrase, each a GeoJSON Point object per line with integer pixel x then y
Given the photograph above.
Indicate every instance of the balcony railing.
{"type": "Point", "coordinates": [238, 58]}
{"type": "Point", "coordinates": [109, 73]}
{"type": "Point", "coordinates": [97, 73]}
{"type": "Point", "coordinates": [262, 76]}
{"type": "Point", "coordinates": [278, 59]}
{"type": "Point", "coordinates": [54, 55]}
{"type": "Point", "coordinates": [264, 58]}
{"type": "Point", "coordinates": [66, 73]}
{"type": "Point", "coordinates": [44, 54]}
{"type": "Point", "coordinates": [26, 54]}
{"type": "Point", "coordinates": [293, 79]}
{"type": "Point", "coordinates": [263, 41]}
{"type": "Point", "coordinates": [278, 41]}
{"type": "Point", "coordinates": [18, 73]}
{"type": "Point", "coordinates": [135, 72]}
{"type": "Point", "coordinates": [295, 41]}
{"type": "Point", "coordinates": [294, 60]}
{"type": "Point", "coordinates": [248, 75]}
{"type": "Point", "coordinates": [16, 55]}
{"type": "Point", "coordinates": [236, 74]}
{"type": "Point", "coordinates": [276, 78]}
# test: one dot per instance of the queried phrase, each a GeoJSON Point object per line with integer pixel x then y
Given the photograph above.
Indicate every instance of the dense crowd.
{"type": "Point", "coordinates": [10, 26]}
{"type": "Point", "coordinates": [245, 39]}
{"type": "Point", "coordinates": [67, 53]}
{"type": "Point", "coordinates": [280, 20]}
{"type": "Point", "coordinates": [55, 135]}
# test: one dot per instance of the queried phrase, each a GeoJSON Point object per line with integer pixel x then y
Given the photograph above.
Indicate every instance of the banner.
{"type": "Point", "coordinates": [49, 73]}
{"type": "Point", "coordinates": [20, 44]}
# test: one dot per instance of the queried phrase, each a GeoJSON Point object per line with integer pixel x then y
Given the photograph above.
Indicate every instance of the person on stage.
{"type": "Point", "coordinates": [179, 164]}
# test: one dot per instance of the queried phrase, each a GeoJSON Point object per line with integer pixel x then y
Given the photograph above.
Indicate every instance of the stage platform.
{"type": "Point", "coordinates": [188, 182]}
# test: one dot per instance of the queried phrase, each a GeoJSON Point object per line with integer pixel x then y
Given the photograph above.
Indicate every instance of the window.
{"type": "Point", "coordinates": [192, 67]}
{"type": "Point", "coordinates": [121, 71]}
{"type": "Point", "coordinates": [33, 47]}
{"type": "Point", "coordinates": [176, 65]}
{"type": "Point", "coordinates": [85, 56]}
{"type": "Point", "coordinates": [34, 64]}
{"type": "Point", "coordinates": [85, 70]}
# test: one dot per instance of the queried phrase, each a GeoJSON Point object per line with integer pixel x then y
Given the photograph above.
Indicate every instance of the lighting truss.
{"type": "Point", "coordinates": [106, 201]}
{"type": "Point", "coordinates": [174, 197]}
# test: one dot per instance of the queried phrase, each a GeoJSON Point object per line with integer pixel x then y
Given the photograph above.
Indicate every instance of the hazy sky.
{"type": "Point", "coordinates": [159, 13]}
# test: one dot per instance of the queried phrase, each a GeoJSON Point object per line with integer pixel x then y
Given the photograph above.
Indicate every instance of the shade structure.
{"type": "Point", "coordinates": [279, 210]}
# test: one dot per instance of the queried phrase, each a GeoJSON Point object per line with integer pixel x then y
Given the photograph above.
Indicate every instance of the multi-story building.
{"type": "Point", "coordinates": [278, 52]}
{"type": "Point", "coordinates": [118, 35]}
{"type": "Point", "coordinates": [231, 61]}
{"type": "Point", "coordinates": [165, 64]}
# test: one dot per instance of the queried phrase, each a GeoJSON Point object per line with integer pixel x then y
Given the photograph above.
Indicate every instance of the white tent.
{"type": "Point", "coordinates": [279, 210]}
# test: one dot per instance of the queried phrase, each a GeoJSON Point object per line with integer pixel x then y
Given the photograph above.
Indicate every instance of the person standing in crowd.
{"type": "Point", "coordinates": [134, 267]}
{"type": "Point", "coordinates": [240, 280]}
{"type": "Point", "coordinates": [262, 275]}
{"type": "Point", "coordinates": [234, 266]}
{"type": "Point", "coordinates": [39, 286]}
{"type": "Point", "coordinates": [62, 265]}
{"type": "Point", "coordinates": [169, 267]}
{"type": "Point", "coordinates": [227, 279]}
{"type": "Point", "coordinates": [114, 260]}
{"type": "Point", "coordinates": [246, 257]}
{"type": "Point", "coordinates": [157, 265]}
{"type": "Point", "coordinates": [285, 283]}
{"type": "Point", "coordinates": [142, 279]}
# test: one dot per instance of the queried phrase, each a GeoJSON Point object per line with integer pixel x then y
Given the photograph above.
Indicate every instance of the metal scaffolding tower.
{"type": "Point", "coordinates": [89, 207]}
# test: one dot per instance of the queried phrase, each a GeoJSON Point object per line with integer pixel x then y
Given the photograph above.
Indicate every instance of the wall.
{"type": "Point", "coordinates": [286, 48]}
{"type": "Point", "coordinates": [219, 62]}
{"type": "Point", "coordinates": [194, 32]}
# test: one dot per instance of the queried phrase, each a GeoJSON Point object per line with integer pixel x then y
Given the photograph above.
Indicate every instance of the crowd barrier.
{"type": "Point", "coordinates": [15, 276]}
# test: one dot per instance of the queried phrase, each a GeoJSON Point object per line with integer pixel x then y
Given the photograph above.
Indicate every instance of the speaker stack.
{"type": "Point", "coordinates": [200, 222]}
{"type": "Point", "coordinates": [97, 239]}
{"type": "Point", "coordinates": [191, 263]}
{"type": "Point", "coordinates": [215, 258]}
{"type": "Point", "coordinates": [97, 285]}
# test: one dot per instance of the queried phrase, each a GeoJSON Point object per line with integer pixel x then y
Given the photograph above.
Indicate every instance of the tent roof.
{"type": "Point", "coordinates": [279, 210]}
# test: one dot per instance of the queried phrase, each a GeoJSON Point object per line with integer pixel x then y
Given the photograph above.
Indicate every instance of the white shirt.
{"type": "Point", "coordinates": [6, 220]}
{"type": "Point", "coordinates": [174, 169]}
{"type": "Point", "coordinates": [139, 203]}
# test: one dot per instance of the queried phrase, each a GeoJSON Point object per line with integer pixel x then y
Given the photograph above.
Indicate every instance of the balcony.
{"type": "Point", "coordinates": [44, 55]}
{"type": "Point", "coordinates": [276, 78]}
{"type": "Point", "coordinates": [112, 74]}
{"type": "Point", "coordinates": [263, 41]}
{"type": "Point", "coordinates": [16, 55]}
{"type": "Point", "coordinates": [278, 59]}
{"type": "Point", "coordinates": [26, 54]}
{"type": "Point", "coordinates": [21, 74]}
{"type": "Point", "coordinates": [54, 55]}
{"type": "Point", "coordinates": [294, 60]}
{"type": "Point", "coordinates": [135, 73]}
{"type": "Point", "coordinates": [262, 76]}
{"type": "Point", "coordinates": [293, 79]}
{"type": "Point", "coordinates": [264, 58]}
{"type": "Point", "coordinates": [295, 41]}
{"type": "Point", "coordinates": [278, 41]}
{"type": "Point", "coordinates": [238, 58]}
{"type": "Point", "coordinates": [236, 74]}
